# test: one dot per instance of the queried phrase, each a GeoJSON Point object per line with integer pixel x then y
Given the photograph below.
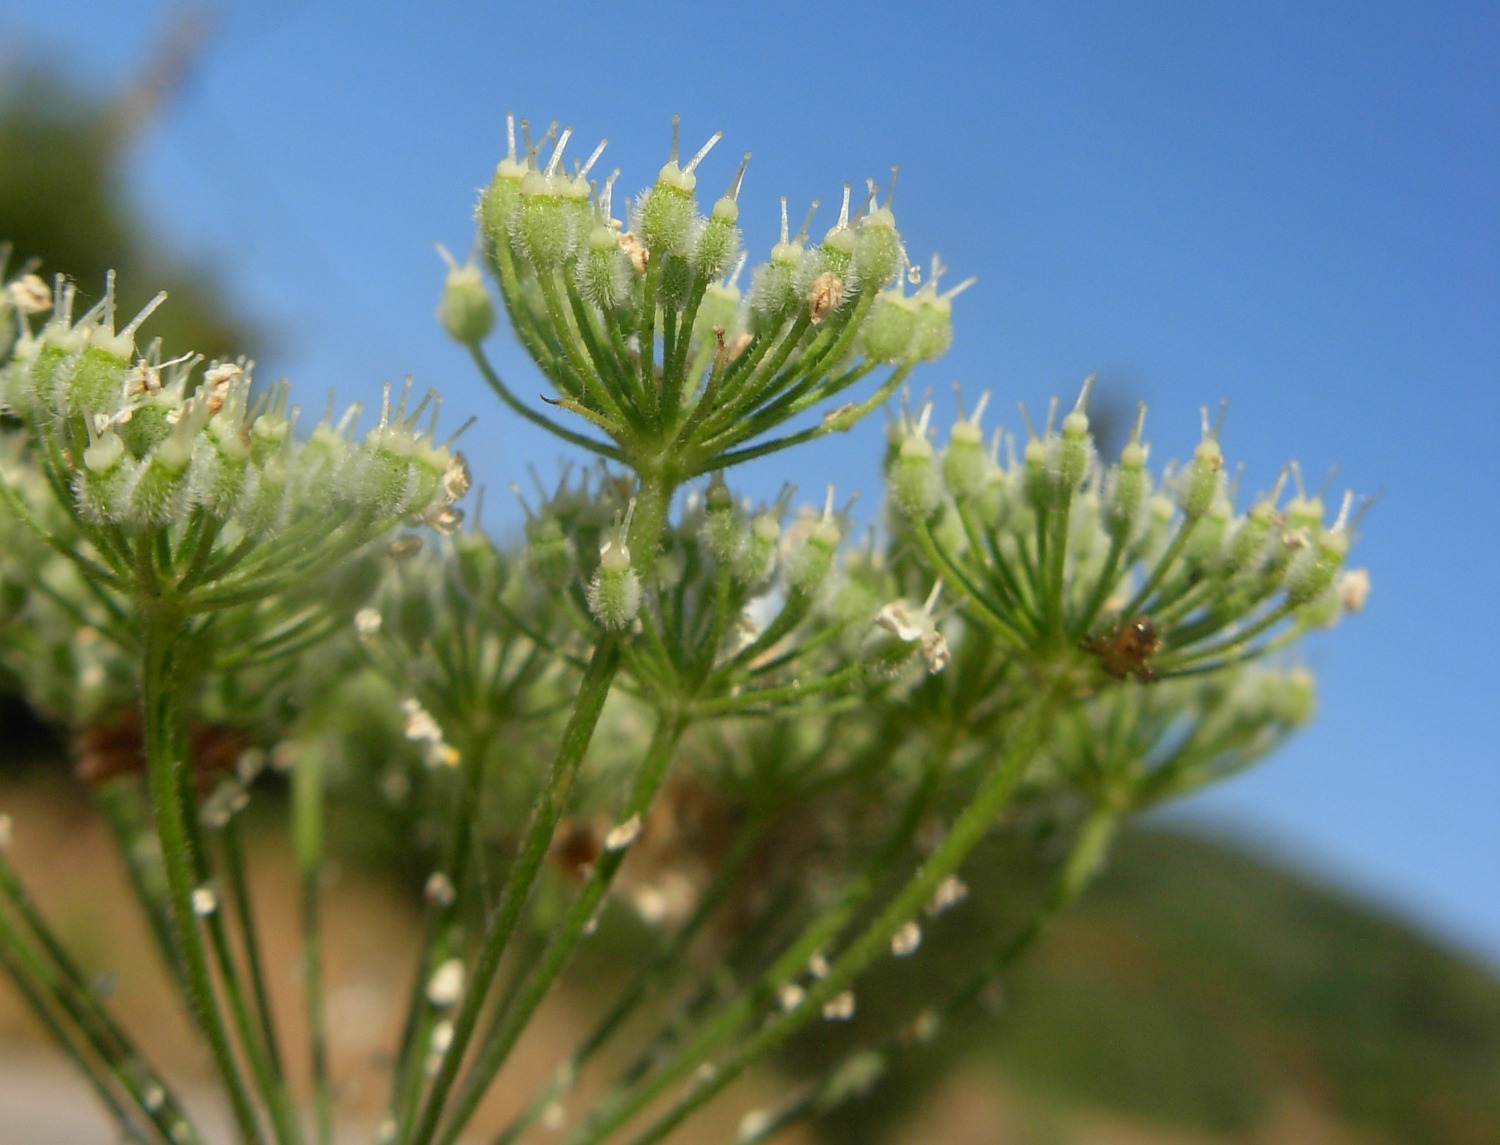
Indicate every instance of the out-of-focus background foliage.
{"type": "Point", "coordinates": [1201, 992]}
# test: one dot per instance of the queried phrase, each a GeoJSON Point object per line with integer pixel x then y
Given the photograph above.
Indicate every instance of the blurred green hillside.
{"type": "Point", "coordinates": [1200, 987]}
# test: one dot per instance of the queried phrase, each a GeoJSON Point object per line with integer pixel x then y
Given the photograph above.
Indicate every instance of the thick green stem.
{"type": "Point", "coordinates": [166, 768]}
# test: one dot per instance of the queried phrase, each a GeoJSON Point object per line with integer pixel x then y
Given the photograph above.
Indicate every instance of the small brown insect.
{"type": "Point", "coordinates": [1128, 648]}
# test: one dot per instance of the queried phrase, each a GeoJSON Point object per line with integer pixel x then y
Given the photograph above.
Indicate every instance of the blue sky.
{"type": "Point", "coordinates": [1290, 205]}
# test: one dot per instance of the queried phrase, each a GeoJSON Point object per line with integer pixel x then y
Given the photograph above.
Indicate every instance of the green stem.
{"type": "Point", "coordinates": [646, 980]}
{"type": "Point", "coordinates": [1174, 547]}
{"type": "Point", "coordinates": [283, 1111]}
{"type": "Point", "coordinates": [1085, 857]}
{"type": "Point", "coordinates": [307, 833]}
{"type": "Point", "coordinates": [442, 935]}
{"type": "Point", "coordinates": [57, 988]}
{"type": "Point", "coordinates": [604, 449]}
{"type": "Point", "coordinates": [577, 354]}
{"type": "Point", "coordinates": [626, 1101]}
{"type": "Point", "coordinates": [981, 608]}
{"type": "Point", "coordinates": [38, 991]}
{"type": "Point", "coordinates": [751, 698]}
{"type": "Point", "coordinates": [1102, 587]}
{"type": "Point", "coordinates": [972, 824]}
{"type": "Point", "coordinates": [120, 802]}
{"type": "Point", "coordinates": [1007, 587]}
{"type": "Point", "coordinates": [592, 690]}
{"type": "Point", "coordinates": [167, 766]}
{"type": "Point", "coordinates": [511, 1023]}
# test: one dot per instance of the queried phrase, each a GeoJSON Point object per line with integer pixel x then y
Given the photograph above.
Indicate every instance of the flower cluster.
{"type": "Point", "coordinates": [187, 482]}
{"type": "Point", "coordinates": [1072, 561]}
{"type": "Point", "coordinates": [642, 327]}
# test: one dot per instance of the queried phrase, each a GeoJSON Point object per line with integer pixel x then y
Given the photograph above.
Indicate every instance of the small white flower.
{"type": "Point", "coordinates": [839, 1008]}
{"type": "Point", "coordinates": [439, 889]}
{"type": "Point", "coordinates": [913, 626]}
{"type": "Point", "coordinates": [367, 623]}
{"type": "Point", "coordinates": [950, 892]}
{"type": "Point", "coordinates": [456, 478]}
{"type": "Point", "coordinates": [1353, 587]}
{"type": "Point", "coordinates": [446, 986]}
{"type": "Point", "coordinates": [29, 294]}
{"type": "Point", "coordinates": [554, 1117]}
{"type": "Point", "coordinates": [221, 375]}
{"type": "Point", "coordinates": [753, 1124]}
{"type": "Point", "coordinates": [623, 835]}
{"type": "Point", "coordinates": [424, 731]}
{"type": "Point", "coordinates": [906, 940]}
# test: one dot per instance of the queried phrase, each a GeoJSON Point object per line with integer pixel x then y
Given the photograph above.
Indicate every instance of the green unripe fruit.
{"type": "Point", "coordinates": [772, 294]}
{"type": "Point", "coordinates": [1313, 571]}
{"type": "Point", "coordinates": [810, 564]}
{"type": "Point", "coordinates": [264, 510]}
{"type": "Point", "coordinates": [498, 202]}
{"type": "Point", "coordinates": [98, 381]}
{"type": "Point", "coordinates": [1292, 697]}
{"type": "Point", "coordinates": [466, 310]}
{"type": "Point", "coordinates": [156, 494]}
{"type": "Point", "coordinates": [913, 478]}
{"type": "Point", "coordinates": [100, 486]}
{"type": "Point", "coordinates": [549, 220]}
{"type": "Point", "coordinates": [718, 310]}
{"type": "Point", "coordinates": [1206, 544]}
{"type": "Point", "coordinates": [757, 557]}
{"type": "Point", "coordinates": [1250, 537]}
{"type": "Point", "coordinates": [614, 594]}
{"type": "Point", "coordinates": [481, 572]}
{"type": "Point", "coordinates": [1040, 483]}
{"type": "Point", "coordinates": [934, 326]}
{"type": "Point", "coordinates": [716, 244]}
{"type": "Point", "coordinates": [221, 468]}
{"type": "Point", "coordinates": [966, 469]}
{"type": "Point", "coordinates": [878, 254]}
{"type": "Point", "coordinates": [722, 534]}
{"type": "Point", "coordinates": [889, 334]}
{"type": "Point", "coordinates": [1076, 452]}
{"type": "Point", "coordinates": [675, 284]}
{"type": "Point", "coordinates": [603, 272]}
{"type": "Point", "coordinates": [664, 215]}
{"type": "Point", "coordinates": [550, 557]}
{"type": "Point", "coordinates": [1322, 611]}
{"type": "Point", "coordinates": [1304, 514]}
{"type": "Point", "coordinates": [42, 376]}
{"type": "Point", "coordinates": [1129, 486]}
{"type": "Point", "coordinates": [1202, 480]}
{"type": "Point", "coordinates": [149, 425]}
